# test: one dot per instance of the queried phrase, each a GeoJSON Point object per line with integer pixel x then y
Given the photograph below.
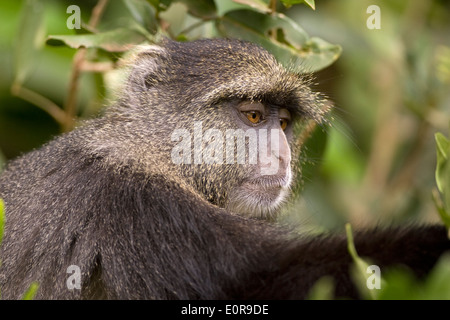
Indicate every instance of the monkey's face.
{"type": "Point", "coordinates": [266, 179]}
{"type": "Point", "coordinates": [243, 162]}
{"type": "Point", "coordinates": [228, 108]}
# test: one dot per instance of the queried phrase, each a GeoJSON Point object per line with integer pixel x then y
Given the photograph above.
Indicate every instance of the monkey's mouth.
{"type": "Point", "coordinates": [260, 196]}
{"type": "Point", "coordinates": [267, 189]}
{"type": "Point", "coordinates": [270, 182]}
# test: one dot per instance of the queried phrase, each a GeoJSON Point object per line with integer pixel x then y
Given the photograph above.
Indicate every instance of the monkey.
{"type": "Point", "coordinates": [152, 200]}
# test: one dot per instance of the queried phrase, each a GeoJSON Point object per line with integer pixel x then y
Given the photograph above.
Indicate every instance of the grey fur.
{"type": "Point", "coordinates": [107, 198]}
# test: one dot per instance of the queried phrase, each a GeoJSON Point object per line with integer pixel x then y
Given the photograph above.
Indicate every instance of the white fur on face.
{"type": "Point", "coordinates": [260, 200]}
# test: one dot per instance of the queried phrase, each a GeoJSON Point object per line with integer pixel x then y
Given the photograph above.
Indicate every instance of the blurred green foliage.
{"type": "Point", "coordinates": [398, 283]}
{"type": "Point", "coordinates": [391, 92]}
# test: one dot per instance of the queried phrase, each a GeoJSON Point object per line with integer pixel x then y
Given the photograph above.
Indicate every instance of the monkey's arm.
{"type": "Point", "coordinates": [306, 261]}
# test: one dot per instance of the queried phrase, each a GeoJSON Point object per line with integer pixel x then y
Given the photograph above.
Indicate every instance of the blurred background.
{"type": "Point", "coordinates": [390, 87]}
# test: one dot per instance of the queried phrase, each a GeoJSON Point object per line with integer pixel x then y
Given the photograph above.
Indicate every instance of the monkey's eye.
{"type": "Point", "coordinates": [252, 113]}
{"type": "Point", "coordinates": [283, 123]}
{"type": "Point", "coordinates": [285, 118]}
{"type": "Point", "coordinates": [254, 116]}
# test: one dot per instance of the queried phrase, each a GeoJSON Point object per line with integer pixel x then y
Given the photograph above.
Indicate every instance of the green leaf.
{"type": "Point", "coordinates": [311, 3]}
{"type": "Point", "coordinates": [31, 292]}
{"type": "Point", "coordinates": [29, 38]}
{"type": "Point", "coordinates": [289, 3]}
{"type": "Point", "coordinates": [226, 6]}
{"type": "Point", "coordinates": [319, 54]}
{"type": "Point", "coordinates": [442, 150]}
{"type": "Point", "coordinates": [437, 285]}
{"type": "Point", "coordinates": [360, 267]}
{"type": "Point", "coordinates": [401, 284]}
{"type": "Point", "coordinates": [323, 289]}
{"type": "Point", "coordinates": [291, 45]}
{"type": "Point", "coordinates": [443, 178]}
{"type": "Point", "coordinates": [258, 5]}
{"type": "Point", "coordinates": [204, 9]}
{"type": "Point", "coordinates": [445, 217]}
{"type": "Point", "coordinates": [143, 13]}
{"type": "Point", "coordinates": [118, 40]}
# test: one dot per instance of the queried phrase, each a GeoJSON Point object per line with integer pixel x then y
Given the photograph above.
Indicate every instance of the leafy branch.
{"type": "Point", "coordinates": [252, 20]}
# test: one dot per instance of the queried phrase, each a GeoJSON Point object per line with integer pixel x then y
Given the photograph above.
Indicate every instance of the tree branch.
{"type": "Point", "coordinates": [78, 59]}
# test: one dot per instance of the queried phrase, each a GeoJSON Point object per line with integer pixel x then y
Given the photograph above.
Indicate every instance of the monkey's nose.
{"type": "Point", "coordinates": [277, 160]}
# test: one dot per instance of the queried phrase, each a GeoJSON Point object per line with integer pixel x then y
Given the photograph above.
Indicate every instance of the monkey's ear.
{"type": "Point", "coordinates": [145, 68]}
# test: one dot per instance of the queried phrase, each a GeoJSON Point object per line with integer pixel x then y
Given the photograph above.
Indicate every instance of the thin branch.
{"type": "Point", "coordinates": [97, 66]}
{"type": "Point", "coordinates": [97, 13]}
{"type": "Point", "coordinates": [40, 101]}
{"type": "Point", "coordinates": [78, 59]}
{"type": "Point", "coordinates": [273, 6]}
{"type": "Point", "coordinates": [273, 11]}
{"type": "Point", "coordinates": [71, 102]}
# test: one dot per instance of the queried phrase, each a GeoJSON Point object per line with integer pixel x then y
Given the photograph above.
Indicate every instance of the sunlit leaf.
{"type": "Point", "coordinates": [226, 6]}
{"type": "Point", "coordinates": [359, 269]}
{"type": "Point", "coordinates": [440, 207]}
{"type": "Point", "coordinates": [437, 285]}
{"type": "Point", "coordinates": [31, 292]}
{"type": "Point", "coordinates": [401, 284]}
{"type": "Point", "coordinates": [442, 148]}
{"type": "Point", "coordinates": [311, 3]}
{"type": "Point", "coordinates": [443, 178]}
{"type": "Point", "coordinates": [323, 289]}
{"type": "Point", "coordinates": [289, 3]}
{"type": "Point", "coordinates": [443, 63]}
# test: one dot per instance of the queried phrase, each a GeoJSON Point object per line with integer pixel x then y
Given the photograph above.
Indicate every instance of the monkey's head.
{"type": "Point", "coordinates": [221, 115]}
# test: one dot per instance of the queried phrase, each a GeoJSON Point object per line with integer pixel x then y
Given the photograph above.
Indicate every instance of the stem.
{"type": "Point", "coordinates": [97, 66]}
{"type": "Point", "coordinates": [78, 59]}
{"type": "Point", "coordinates": [97, 13]}
{"type": "Point", "coordinates": [350, 242]}
{"type": "Point", "coordinates": [40, 101]}
{"type": "Point", "coordinates": [194, 26]}
{"type": "Point", "coordinates": [273, 11]}
{"type": "Point", "coordinates": [273, 6]}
